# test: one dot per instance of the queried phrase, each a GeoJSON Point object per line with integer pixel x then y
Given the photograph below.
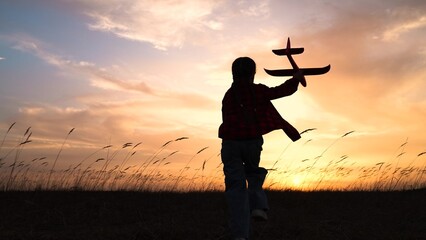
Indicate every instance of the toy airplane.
{"type": "Point", "coordinates": [289, 72]}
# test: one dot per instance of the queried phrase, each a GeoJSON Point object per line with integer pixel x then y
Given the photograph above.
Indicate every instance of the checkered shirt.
{"type": "Point", "coordinates": [248, 113]}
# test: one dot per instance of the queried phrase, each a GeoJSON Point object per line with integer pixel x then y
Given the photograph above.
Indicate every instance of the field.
{"type": "Point", "coordinates": [118, 167]}
{"type": "Point", "coordinates": [202, 215]}
{"type": "Point", "coordinates": [124, 192]}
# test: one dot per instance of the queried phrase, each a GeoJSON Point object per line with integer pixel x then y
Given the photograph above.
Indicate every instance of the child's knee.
{"type": "Point", "coordinates": [235, 183]}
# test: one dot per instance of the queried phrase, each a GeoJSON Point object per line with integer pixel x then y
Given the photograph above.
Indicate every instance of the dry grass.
{"type": "Point", "coordinates": [114, 168]}
{"type": "Point", "coordinates": [110, 195]}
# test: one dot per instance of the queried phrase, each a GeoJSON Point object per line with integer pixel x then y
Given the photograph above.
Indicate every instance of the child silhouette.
{"type": "Point", "coordinates": [247, 114]}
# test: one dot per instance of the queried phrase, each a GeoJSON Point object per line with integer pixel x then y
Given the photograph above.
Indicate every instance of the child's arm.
{"type": "Point", "coordinates": [287, 88]}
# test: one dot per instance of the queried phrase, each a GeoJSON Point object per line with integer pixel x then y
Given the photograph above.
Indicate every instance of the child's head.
{"type": "Point", "coordinates": [243, 70]}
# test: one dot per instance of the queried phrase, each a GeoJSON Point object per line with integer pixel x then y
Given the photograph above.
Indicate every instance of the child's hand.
{"type": "Point", "coordinates": [300, 77]}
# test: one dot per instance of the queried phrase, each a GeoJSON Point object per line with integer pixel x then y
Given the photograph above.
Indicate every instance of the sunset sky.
{"type": "Point", "coordinates": [151, 71]}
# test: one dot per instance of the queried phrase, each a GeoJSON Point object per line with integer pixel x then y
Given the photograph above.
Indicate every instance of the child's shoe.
{"type": "Point", "coordinates": [259, 215]}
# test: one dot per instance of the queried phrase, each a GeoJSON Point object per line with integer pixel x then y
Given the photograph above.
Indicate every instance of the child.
{"type": "Point", "coordinates": [247, 114]}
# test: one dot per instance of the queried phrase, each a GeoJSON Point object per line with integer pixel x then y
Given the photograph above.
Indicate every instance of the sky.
{"type": "Point", "coordinates": [148, 71]}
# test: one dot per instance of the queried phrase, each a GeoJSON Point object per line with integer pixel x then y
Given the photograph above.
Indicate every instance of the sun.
{"type": "Point", "coordinates": [297, 181]}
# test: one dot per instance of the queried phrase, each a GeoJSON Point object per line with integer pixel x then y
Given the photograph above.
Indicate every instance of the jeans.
{"type": "Point", "coordinates": [241, 167]}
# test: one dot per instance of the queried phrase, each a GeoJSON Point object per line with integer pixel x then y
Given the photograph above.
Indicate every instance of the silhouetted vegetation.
{"type": "Point", "coordinates": [102, 196]}
{"type": "Point", "coordinates": [112, 168]}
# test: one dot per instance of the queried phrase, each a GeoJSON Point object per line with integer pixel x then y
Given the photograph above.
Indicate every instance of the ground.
{"type": "Point", "coordinates": [141, 215]}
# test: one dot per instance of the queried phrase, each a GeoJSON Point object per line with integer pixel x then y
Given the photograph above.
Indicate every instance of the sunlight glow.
{"type": "Point", "coordinates": [297, 181]}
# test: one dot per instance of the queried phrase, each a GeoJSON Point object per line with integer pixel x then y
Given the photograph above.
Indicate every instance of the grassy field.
{"type": "Point", "coordinates": [127, 167]}
{"type": "Point", "coordinates": [202, 215]}
{"type": "Point", "coordinates": [106, 194]}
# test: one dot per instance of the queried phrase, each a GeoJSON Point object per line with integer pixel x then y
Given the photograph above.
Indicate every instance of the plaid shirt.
{"type": "Point", "coordinates": [248, 113]}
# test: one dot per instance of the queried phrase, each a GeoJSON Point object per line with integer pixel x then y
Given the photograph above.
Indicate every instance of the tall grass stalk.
{"type": "Point", "coordinates": [151, 175]}
{"type": "Point", "coordinates": [322, 154]}
{"type": "Point", "coordinates": [4, 137]}
{"type": "Point", "coordinates": [19, 148]}
{"type": "Point", "coordinates": [421, 171]}
{"type": "Point", "coordinates": [57, 157]}
{"type": "Point", "coordinates": [273, 167]}
{"type": "Point", "coordinates": [178, 179]}
{"type": "Point", "coordinates": [396, 169]}
{"type": "Point", "coordinates": [139, 174]}
{"type": "Point", "coordinates": [129, 154]}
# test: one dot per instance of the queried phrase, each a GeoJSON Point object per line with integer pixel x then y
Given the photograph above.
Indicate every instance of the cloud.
{"type": "Point", "coordinates": [100, 117]}
{"type": "Point", "coordinates": [366, 69]}
{"type": "Point", "coordinates": [2, 58]}
{"type": "Point", "coordinates": [163, 23]}
{"type": "Point", "coordinates": [103, 78]}
{"type": "Point", "coordinates": [374, 86]}
{"type": "Point", "coordinates": [99, 76]}
{"type": "Point", "coordinates": [256, 9]}
{"type": "Point", "coordinates": [404, 27]}
{"type": "Point", "coordinates": [108, 110]}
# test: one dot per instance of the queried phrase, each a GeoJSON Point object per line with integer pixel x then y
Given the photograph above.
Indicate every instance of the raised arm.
{"type": "Point", "coordinates": [287, 88]}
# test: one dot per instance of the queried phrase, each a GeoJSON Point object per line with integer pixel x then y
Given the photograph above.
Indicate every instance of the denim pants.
{"type": "Point", "coordinates": [243, 182]}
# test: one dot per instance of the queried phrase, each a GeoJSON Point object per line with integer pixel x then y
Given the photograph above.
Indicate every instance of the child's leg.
{"type": "Point", "coordinates": [255, 176]}
{"type": "Point", "coordinates": [257, 195]}
{"type": "Point", "coordinates": [236, 190]}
